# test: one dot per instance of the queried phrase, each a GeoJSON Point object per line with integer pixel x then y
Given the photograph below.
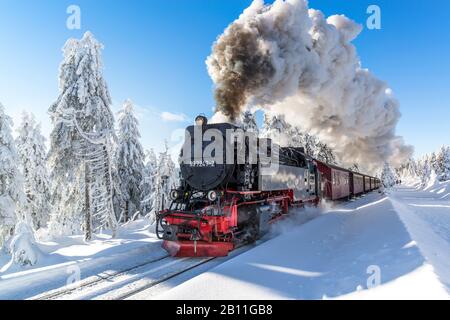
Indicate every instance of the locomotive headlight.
{"type": "Point", "coordinates": [212, 196]}
{"type": "Point", "coordinates": [201, 121]}
{"type": "Point", "coordinates": [174, 195]}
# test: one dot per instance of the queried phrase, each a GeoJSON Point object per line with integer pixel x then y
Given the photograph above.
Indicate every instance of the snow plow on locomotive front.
{"type": "Point", "coordinates": [226, 198]}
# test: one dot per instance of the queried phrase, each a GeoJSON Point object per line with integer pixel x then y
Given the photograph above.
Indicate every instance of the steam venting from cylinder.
{"type": "Point", "coordinates": [291, 60]}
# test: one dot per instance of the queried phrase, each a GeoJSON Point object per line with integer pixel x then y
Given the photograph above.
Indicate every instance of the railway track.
{"type": "Point", "coordinates": [128, 282]}
{"type": "Point", "coordinates": [157, 282]}
{"type": "Point", "coordinates": [92, 281]}
{"type": "Point", "coordinates": [123, 284]}
{"type": "Point", "coordinates": [200, 262]}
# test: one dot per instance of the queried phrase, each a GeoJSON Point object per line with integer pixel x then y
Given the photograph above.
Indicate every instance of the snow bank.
{"type": "Point", "coordinates": [406, 287]}
{"type": "Point", "coordinates": [23, 247]}
{"type": "Point", "coordinates": [426, 214]}
{"type": "Point", "coordinates": [432, 182]}
{"type": "Point", "coordinates": [441, 190]}
{"type": "Point", "coordinates": [438, 190]}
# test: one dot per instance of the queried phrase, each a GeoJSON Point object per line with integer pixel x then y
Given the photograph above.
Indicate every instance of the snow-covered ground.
{"type": "Point", "coordinates": [380, 246]}
{"type": "Point", "coordinates": [70, 259]}
{"type": "Point", "coordinates": [401, 239]}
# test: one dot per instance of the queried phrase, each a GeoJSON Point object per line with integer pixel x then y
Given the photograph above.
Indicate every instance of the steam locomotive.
{"type": "Point", "coordinates": [234, 185]}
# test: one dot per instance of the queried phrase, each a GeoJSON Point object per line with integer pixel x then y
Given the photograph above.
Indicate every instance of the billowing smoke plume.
{"type": "Point", "coordinates": [291, 60]}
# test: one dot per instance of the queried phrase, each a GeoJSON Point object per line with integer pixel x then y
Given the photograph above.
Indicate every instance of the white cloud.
{"type": "Point", "coordinates": [174, 117]}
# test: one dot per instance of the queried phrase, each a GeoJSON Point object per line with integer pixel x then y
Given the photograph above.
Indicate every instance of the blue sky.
{"type": "Point", "coordinates": [155, 52]}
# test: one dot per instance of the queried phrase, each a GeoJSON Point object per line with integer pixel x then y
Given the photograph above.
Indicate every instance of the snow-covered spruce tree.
{"type": "Point", "coordinates": [443, 163]}
{"type": "Point", "coordinates": [23, 247]}
{"type": "Point", "coordinates": [129, 162]}
{"type": "Point", "coordinates": [11, 181]}
{"type": "Point", "coordinates": [33, 159]}
{"type": "Point", "coordinates": [277, 129]}
{"type": "Point", "coordinates": [310, 143]}
{"type": "Point", "coordinates": [411, 170]}
{"type": "Point", "coordinates": [249, 122]}
{"type": "Point", "coordinates": [148, 181]}
{"type": "Point", "coordinates": [80, 154]}
{"type": "Point", "coordinates": [388, 178]}
{"type": "Point", "coordinates": [325, 154]}
{"type": "Point", "coordinates": [297, 137]}
{"type": "Point", "coordinates": [433, 161]}
{"type": "Point", "coordinates": [425, 171]}
{"type": "Point", "coordinates": [419, 169]}
{"type": "Point", "coordinates": [354, 168]}
{"type": "Point", "coordinates": [167, 176]}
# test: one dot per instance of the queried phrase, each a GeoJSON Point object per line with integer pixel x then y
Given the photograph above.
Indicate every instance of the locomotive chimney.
{"type": "Point", "coordinates": [201, 121]}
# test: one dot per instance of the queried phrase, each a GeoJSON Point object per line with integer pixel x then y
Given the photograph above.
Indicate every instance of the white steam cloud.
{"type": "Point", "coordinates": [291, 60]}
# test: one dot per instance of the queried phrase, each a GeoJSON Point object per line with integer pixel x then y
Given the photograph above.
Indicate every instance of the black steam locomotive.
{"type": "Point", "coordinates": [233, 186]}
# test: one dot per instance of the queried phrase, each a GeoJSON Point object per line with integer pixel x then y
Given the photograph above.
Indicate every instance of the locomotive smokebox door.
{"type": "Point", "coordinates": [204, 164]}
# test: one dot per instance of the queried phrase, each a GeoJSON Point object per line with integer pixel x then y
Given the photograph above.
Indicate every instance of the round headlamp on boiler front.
{"type": "Point", "coordinates": [175, 195]}
{"type": "Point", "coordinates": [212, 195]}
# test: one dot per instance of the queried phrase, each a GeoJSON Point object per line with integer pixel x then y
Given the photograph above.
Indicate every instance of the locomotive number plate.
{"type": "Point", "coordinates": [202, 164]}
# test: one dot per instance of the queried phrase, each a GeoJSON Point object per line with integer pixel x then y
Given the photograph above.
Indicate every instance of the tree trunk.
{"type": "Point", "coordinates": [87, 205]}
{"type": "Point", "coordinates": [127, 211]}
